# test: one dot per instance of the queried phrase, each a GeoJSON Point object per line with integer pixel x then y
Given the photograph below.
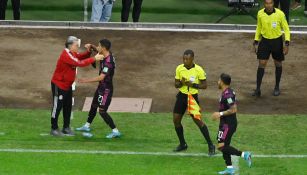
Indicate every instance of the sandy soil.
{"type": "Point", "coordinates": [146, 63]}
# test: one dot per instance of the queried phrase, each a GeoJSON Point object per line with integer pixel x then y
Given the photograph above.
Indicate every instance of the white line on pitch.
{"type": "Point", "coordinates": [138, 153]}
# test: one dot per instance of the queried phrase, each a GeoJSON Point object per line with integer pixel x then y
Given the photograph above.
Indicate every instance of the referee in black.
{"type": "Point", "coordinates": [269, 41]}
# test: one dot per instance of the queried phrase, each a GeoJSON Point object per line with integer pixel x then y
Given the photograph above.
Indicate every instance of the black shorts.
{"type": "Point", "coordinates": [102, 98]}
{"type": "Point", "coordinates": [271, 46]}
{"type": "Point", "coordinates": [225, 133]}
{"type": "Point", "coordinates": [182, 103]}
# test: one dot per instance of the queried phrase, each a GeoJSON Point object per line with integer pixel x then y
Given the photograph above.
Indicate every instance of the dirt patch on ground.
{"type": "Point", "coordinates": [146, 63]}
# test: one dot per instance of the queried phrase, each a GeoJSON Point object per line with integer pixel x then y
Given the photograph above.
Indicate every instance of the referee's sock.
{"type": "Point", "coordinates": [204, 130]}
{"type": "Point", "coordinates": [260, 73]}
{"type": "Point", "coordinates": [278, 72]}
{"type": "Point", "coordinates": [179, 131]}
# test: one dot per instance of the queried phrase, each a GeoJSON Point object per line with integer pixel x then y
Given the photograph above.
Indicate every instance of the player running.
{"type": "Point", "coordinates": [103, 95]}
{"type": "Point", "coordinates": [228, 124]}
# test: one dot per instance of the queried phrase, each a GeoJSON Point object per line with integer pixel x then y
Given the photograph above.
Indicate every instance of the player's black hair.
{"type": "Point", "coordinates": [225, 78]}
{"type": "Point", "coordinates": [189, 52]}
{"type": "Point", "coordinates": [105, 43]}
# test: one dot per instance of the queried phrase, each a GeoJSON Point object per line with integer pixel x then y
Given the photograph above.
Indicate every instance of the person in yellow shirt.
{"type": "Point", "coordinates": [268, 40]}
{"type": "Point", "coordinates": [189, 78]}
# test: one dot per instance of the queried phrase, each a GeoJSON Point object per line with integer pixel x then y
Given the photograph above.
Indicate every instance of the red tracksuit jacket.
{"type": "Point", "coordinates": [65, 72]}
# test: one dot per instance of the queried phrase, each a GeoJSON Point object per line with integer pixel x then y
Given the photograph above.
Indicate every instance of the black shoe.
{"type": "Point", "coordinates": [276, 92]}
{"type": "Point", "coordinates": [56, 133]}
{"type": "Point", "coordinates": [181, 148]}
{"type": "Point", "coordinates": [68, 132]}
{"type": "Point", "coordinates": [256, 93]}
{"type": "Point", "coordinates": [211, 150]}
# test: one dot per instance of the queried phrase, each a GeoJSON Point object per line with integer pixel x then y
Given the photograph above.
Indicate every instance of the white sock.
{"type": "Point", "coordinates": [115, 130]}
{"type": "Point", "coordinates": [242, 155]}
{"type": "Point", "coordinates": [229, 166]}
{"type": "Point", "coordinates": [87, 124]}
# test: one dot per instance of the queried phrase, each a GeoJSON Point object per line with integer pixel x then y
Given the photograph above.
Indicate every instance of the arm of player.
{"type": "Point", "coordinates": [92, 80]}
{"type": "Point", "coordinates": [231, 110]}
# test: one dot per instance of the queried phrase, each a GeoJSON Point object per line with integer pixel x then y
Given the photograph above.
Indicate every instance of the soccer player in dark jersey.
{"type": "Point", "coordinates": [228, 124]}
{"type": "Point", "coordinates": [103, 95]}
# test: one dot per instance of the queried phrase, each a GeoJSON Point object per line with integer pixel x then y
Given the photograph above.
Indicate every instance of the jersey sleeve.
{"type": "Point", "coordinates": [259, 28]}
{"type": "Point", "coordinates": [83, 55]}
{"type": "Point", "coordinates": [177, 76]}
{"type": "Point", "coordinates": [107, 68]}
{"type": "Point", "coordinates": [285, 27]}
{"type": "Point", "coordinates": [230, 100]}
{"type": "Point", "coordinates": [71, 60]}
{"type": "Point", "coordinates": [202, 74]}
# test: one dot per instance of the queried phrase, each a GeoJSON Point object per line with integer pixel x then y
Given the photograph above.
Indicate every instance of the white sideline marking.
{"type": "Point", "coordinates": [137, 153]}
{"type": "Point", "coordinates": [2, 133]}
{"type": "Point", "coordinates": [139, 29]}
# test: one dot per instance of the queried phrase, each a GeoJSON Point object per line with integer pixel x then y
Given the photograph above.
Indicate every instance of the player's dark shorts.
{"type": "Point", "coordinates": [182, 103]}
{"type": "Point", "coordinates": [103, 98]}
{"type": "Point", "coordinates": [225, 133]}
{"type": "Point", "coordinates": [271, 46]}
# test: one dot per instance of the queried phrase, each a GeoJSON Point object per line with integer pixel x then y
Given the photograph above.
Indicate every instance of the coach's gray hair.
{"type": "Point", "coordinates": [70, 40]}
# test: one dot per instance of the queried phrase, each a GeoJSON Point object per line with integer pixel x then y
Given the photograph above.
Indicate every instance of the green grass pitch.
{"type": "Point", "coordinates": [263, 135]}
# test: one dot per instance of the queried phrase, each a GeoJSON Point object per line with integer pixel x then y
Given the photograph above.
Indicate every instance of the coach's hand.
{"type": "Point", "coordinates": [286, 50]}
{"type": "Point", "coordinates": [88, 47]}
{"type": "Point", "coordinates": [216, 116]}
{"type": "Point", "coordinates": [99, 57]}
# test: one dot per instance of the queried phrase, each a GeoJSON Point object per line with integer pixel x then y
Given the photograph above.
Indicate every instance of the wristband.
{"type": "Point", "coordinates": [255, 43]}
{"type": "Point", "coordinates": [195, 86]}
{"type": "Point", "coordinates": [287, 43]}
{"type": "Point", "coordinates": [221, 113]}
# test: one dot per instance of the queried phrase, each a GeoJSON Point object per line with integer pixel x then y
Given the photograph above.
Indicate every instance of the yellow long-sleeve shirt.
{"type": "Point", "coordinates": [271, 26]}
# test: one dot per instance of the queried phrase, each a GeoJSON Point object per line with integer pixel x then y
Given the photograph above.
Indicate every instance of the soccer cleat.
{"type": "Point", "coordinates": [56, 133]}
{"type": "Point", "coordinates": [181, 148]}
{"type": "Point", "coordinates": [84, 128]}
{"type": "Point", "coordinates": [113, 135]}
{"type": "Point", "coordinates": [68, 132]}
{"type": "Point", "coordinates": [211, 150]}
{"type": "Point", "coordinates": [276, 92]}
{"type": "Point", "coordinates": [87, 134]}
{"type": "Point", "coordinates": [256, 93]}
{"type": "Point", "coordinates": [248, 158]}
{"type": "Point", "coordinates": [230, 171]}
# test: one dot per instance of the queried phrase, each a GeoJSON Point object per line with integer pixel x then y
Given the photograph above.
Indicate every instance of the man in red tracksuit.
{"type": "Point", "coordinates": [63, 77]}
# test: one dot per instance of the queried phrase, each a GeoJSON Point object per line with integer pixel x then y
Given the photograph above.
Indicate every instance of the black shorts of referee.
{"type": "Point", "coordinates": [272, 47]}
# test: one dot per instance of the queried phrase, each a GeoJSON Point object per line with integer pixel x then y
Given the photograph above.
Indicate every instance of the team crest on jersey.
{"type": "Point", "coordinates": [105, 70]}
{"type": "Point", "coordinates": [229, 100]}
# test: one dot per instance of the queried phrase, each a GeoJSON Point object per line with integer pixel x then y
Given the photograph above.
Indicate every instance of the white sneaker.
{"type": "Point", "coordinates": [113, 135]}
{"type": "Point", "coordinates": [84, 128]}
